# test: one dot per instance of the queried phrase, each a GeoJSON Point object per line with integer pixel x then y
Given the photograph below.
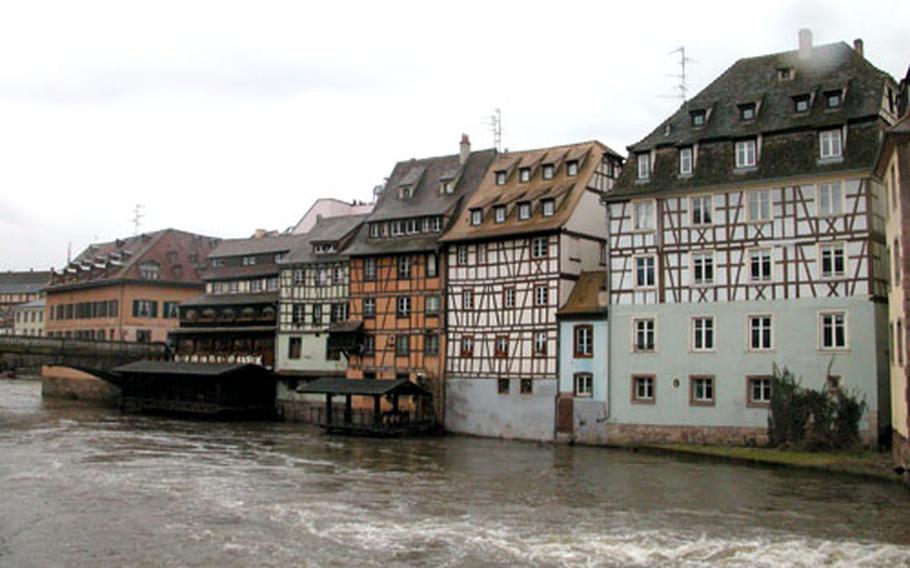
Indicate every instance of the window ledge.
{"type": "Point", "coordinates": [642, 181]}
{"type": "Point", "coordinates": [684, 176]}
{"type": "Point", "coordinates": [745, 170]}
{"type": "Point", "coordinates": [830, 160]}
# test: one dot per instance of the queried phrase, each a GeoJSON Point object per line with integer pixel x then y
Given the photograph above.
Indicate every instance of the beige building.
{"type": "Point", "coordinates": [17, 288]}
{"type": "Point", "coordinates": [28, 318]}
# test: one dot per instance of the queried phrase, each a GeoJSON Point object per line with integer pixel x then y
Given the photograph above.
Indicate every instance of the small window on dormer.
{"type": "Point", "coordinates": [476, 216]}
{"type": "Point", "coordinates": [644, 166]}
{"type": "Point", "coordinates": [698, 117]}
{"type": "Point", "coordinates": [834, 99]}
{"type": "Point", "coordinates": [785, 74]}
{"type": "Point", "coordinates": [446, 187]}
{"type": "Point", "coordinates": [572, 167]}
{"type": "Point", "coordinates": [248, 261]}
{"type": "Point", "coordinates": [524, 210]}
{"type": "Point", "coordinates": [524, 175]}
{"type": "Point", "coordinates": [801, 103]}
{"type": "Point", "coordinates": [405, 192]}
{"type": "Point", "coordinates": [499, 213]}
{"type": "Point", "coordinates": [747, 111]}
{"type": "Point", "coordinates": [548, 207]}
{"type": "Point", "coordinates": [548, 171]}
{"type": "Point", "coordinates": [501, 177]}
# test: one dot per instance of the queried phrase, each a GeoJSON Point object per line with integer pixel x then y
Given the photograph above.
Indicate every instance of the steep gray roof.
{"type": "Point", "coordinates": [262, 245]}
{"type": "Point", "coordinates": [326, 230]}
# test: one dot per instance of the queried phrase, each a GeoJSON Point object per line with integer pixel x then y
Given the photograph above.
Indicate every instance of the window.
{"type": "Point", "coordinates": [540, 343]}
{"type": "Point", "coordinates": [431, 305]}
{"type": "Point", "coordinates": [832, 260]}
{"type": "Point", "coordinates": [339, 312]}
{"type": "Point", "coordinates": [501, 347]}
{"type": "Point", "coordinates": [403, 306]}
{"type": "Point", "coordinates": [644, 166]}
{"type": "Point", "coordinates": [503, 386]}
{"type": "Point", "coordinates": [143, 336]}
{"type": "Point", "coordinates": [476, 216]}
{"type": "Point", "coordinates": [369, 269]}
{"type": "Point", "coordinates": [295, 346]}
{"type": "Point", "coordinates": [446, 186]}
{"type": "Point", "coordinates": [643, 389]}
{"type": "Point", "coordinates": [584, 385]}
{"type": "Point", "coordinates": [747, 111]}
{"type": "Point", "coordinates": [548, 171]}
{"type": "Point", "coordinates": [644, 335]}
{"type": "Point", "coordinates": [338, 275]}
{"type": "Point", "coordinates": [760, 333]}
{"type": "Point", "coordinates": [369, 345]}
{"type": "Point", "coordinates": [541, 295]}
{"type": "Point", "coordinates": [317, 314]}
{"type": "Point", "coordinates": [467, 346]}
{"type": "Point", "coordinates": [834, 99]}
{"type": "Point", "coordinates": [685, 161]}
{"type": "Point", "coordinates": [432, 266]}
{"type": "Point", "coordinates": [702, 268]}
{"type": "Point", "coordinates": [701, 391]}
{"type": "Point", "coordinates": [833, 330]}
{"type": "Point", "coordinates": [411, 227]}
{"type": "Point", "coordinates": [548, 207]}
{"type": "Point", "coordinates": [467, 299]}
{"type": "Point", "coordinates": [830, 199]}
{"type": "Point", "coordinates": [539, 247]}
{"type": "Point", "coordinates": [369, 307]}
{"type": "Point", "coordinates": [702, 210]}
{"type": "Point", "coordinates": [481, 253]}
{"type": "Point", "coordinates": [217, 262]}
{"type": "Point", "coordinates": [297, 313]}
{"type": "Point", "coordinates": [431, 344]}
{"type": "Point", "coordinates": [402, 345]}
{"type": "Point", "coordinates": [703, 333]}
{"type": "Point", "coordinates": [644, 272]}
{"type": "Point", "coordinates": [404, 267]}
{"type": "Point", "coordinates": [801, 103]}
{"type": "Point", "coordinates": [144, 309]}
{"type": "Point", "coordinates": [524, 175]}
{"type": "Point", "coordinates": [830, 143]}
{"type": "Point", "coordinates": [572, 168]}
{"type": "Point", "coordinates": [643, 216]}
{"type": "Point", "coordinates": [501, 177]}
{"type": "Point", "coordinates": [375, 229]}
{"type": "Point", "coordinates": [299, 277]}
{"type": "Point", "coordinates": [785, 74]}
{"type": "Point", "coordinates": [323, 277]}
{"type": "Point", "coordinates": [397, 228]}
{"type": "Point", "coordinates": [499, 214]}
{"type": "Point", "coordinates": [584, 341]}
{"type": "Point", "coordinates": [436, 224]}
{"type": "Point", "coordinates": [508, 297]}
{"type": "Point", "coordinates": [759, 391]}
{"type": "Point", "coordinates": [745, 153]}
{"type": "Point", "coordinates": [150, 271]}
{"type": "Point", "coordinates": [760, 265]}
{"type": "Point", "coordinates": [698, 117]}
{"type": "Point", "coordinates": [526, 386]}
{"type": "Point", "coordinates": [759, 206]}
{"type": "Point", "coordinates": [248, 260]}
{"type": "Point", "coordinates": [170, 310]}
{"type": "Point", "coordinates": [524, 210]}
{"type": "Point", "coordinates": [461, 255]}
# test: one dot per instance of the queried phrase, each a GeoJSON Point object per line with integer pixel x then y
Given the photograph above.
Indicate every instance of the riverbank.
{"type": "Point", "coordinates": [865, 464]}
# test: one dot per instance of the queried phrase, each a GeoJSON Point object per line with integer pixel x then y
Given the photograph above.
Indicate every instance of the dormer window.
{"type": "Point", "coordinates": [524, 175]}
{"type": "Point", "coordinates": [501, 177]}
{"type": "Point", "coordinates": [499, 213]}
{"type": "Point", "coordinates": [785, 74]}
{"type": "Point", "coordinates": [685, 161]}
{"type": "Point", "coordinates": [830, 143]}
{"type": "Point", "coordinates": [698, 117]}
{"type": "Point", "coordinates": [572, 168]}
{"type": "Point", "coordinates": [436, 224]}
{"type": "Point", "coordinates": [248, 261]}
{"type": "Point", "coordinates": [324, 248]}
{"type": "Point", "coordinates": [834, 99]}
{"type": "Point", "coordinates": [476, 217]}
{"type": "Point", "coordinates": [644, 166]}
{"type": "Point", "coordinates": [745, 154]}
{"type": "Point", "coordinates": [397, 228]}
{"type": "Point", "coordinates": [280, 256]}
{"type": "Point", "coordinates": [524, 210]}
{"type": "Point", "coordinates": [405, 192]}
{"type": "Point", "coordinates": [150, 271]}
{"type": "Point", "coordinates": [548, 207]}
{"type": "Point", "coordinates": [446, 187]}
{"type": "Point", "coordinates": [217, 262]}
{"type": "Point", "coordinates": [747, 111]}
{"type": "Point", "coordinates": [548, 171]}
{"type": "Point", "coordinates": [375, 230]}
{"type": "Point", "coordinates": [801, 103]}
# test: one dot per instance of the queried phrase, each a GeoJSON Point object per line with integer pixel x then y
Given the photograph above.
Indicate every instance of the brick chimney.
{"type": "Point", "coordinates": [465, 149]}
{"type": "Point", "coordinates": [805, 43]}
{"type": "Point", "coordinates": [858, 47]}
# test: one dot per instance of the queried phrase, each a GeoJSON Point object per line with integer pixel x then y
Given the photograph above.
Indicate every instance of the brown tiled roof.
{"type": "Point", "coordinates": [564, 189]}
{"type": "Point", "coordinates": [588, 297]}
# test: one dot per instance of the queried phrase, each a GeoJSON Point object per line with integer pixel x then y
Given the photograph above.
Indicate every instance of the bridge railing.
{"type": "Point", "coordinates": [28, 343]}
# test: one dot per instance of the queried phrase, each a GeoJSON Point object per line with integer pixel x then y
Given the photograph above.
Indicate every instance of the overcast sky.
{"type": "Point", "coordinates": [221, 117]}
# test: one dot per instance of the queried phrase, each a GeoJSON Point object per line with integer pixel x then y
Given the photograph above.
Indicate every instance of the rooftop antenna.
{"type": "Point", "coordinates": [682, 88]}
{"type": "Point", "coordinates": [495, 123]}
{"type": "Point", "coordinates": [137, 217]}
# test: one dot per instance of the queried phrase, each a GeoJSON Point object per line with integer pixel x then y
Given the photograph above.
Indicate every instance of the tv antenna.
{"type": "Point", "coordinates": [137, 217]}
{"type": "Point", "coordinates": [682, 88]}
{"type": "Point", "coordinates": [495, 123]}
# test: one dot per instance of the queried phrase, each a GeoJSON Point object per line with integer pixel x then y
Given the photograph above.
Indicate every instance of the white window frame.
{"type": "Point", "coordinates": [834, 248]}
{"type": "Point", "coordinates": [643, 319]}
{"type": "Point", "coordinates": [646, 285]}
{"type": "Point", "coordinates": [432, 305]}
{"type": "Point", "coordinates": [701, 201]}
{"type": "Point", "coordinates": [762, 277]}
{"type": "Point", "coordinates": [707, 261]}
{"type": "Point", "coordinates": [704, 333]}
{"type": "Point", "coordinates": [369, 307]}
{"type": "Point", "coordinates": [403, 306]}
{"type": "Point", "coordinates": [540, 247]}
{"type": "Point", "coordinates": [548, 207]}
{"type": "Point", "coordinates": [772, 334]}
{"type": "Point", "coordinates": [572, 168]}
{"type": "Point", "coordinates": [836, 202]}
{"type": "Point", "coordinates": [746, 152]}
{"type": "Point", "coordinates": [548, 171]}
{"type": "Point", "coordinates": [706, 380]}
{"type": "Point", "coordinates": [821, 330]}
{"type": "Point", "coordinates": [524, 210]}
{"type": "Point", "coordinates": [644, 166]}
{"type": "Point", "coordinates": [686, 161]}
{"type": "Point", "coordinates": [524, 174]}
{"type": "Point", "coordinates": [541, 339]}
{"type": "Point", "coordinates": [461, 255]}
{"type": "Point", "coordinates": [639, 379]}
{"type": "Point", "coordinates": [508, 298]}
{"type": "Point", "coordinates": [831, 143]}
{"type": "Point", "coordinates": [752, 401]}
{"type": "Point", "coordinates": [583, 385]}
{"type": "Point", "coordinates": [637, 225]}
{"type": "Point", "coordinates": [476, 217]}
{"type": "Point", "coordinates": [541, 295]}
{"type": "Point", "coordinates": [499, 213]}
{"type": "Point", "coordinates": [467, 299]}
{"type": "Point", "coordinates": [501, 177]}
{"type": "Point", "coordinates": [751, 208]}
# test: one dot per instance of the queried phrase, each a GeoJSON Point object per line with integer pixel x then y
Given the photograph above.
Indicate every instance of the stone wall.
{"type": "Point", "coordinates": [900, 450]}
{"type": "Point", "coordinates": [634, 434]}
{"type": "Point", "coordinates": [63, 382]}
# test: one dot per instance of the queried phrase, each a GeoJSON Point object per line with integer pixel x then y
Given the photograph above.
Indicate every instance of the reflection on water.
{"type": "Point", "coordinates": [87, 486]}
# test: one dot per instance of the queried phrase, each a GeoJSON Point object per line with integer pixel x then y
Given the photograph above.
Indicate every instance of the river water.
{"type": "Point", "coordinates": [87, 486]}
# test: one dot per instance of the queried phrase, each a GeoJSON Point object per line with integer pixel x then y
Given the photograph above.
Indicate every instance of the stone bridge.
{"type": "Point", "coordinates": [95, 357]}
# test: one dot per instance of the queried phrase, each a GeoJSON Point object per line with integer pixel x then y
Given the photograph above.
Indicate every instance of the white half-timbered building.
{"type": "Point", "coordinates": [748, 231]}
{"type": "Point", "coordinates": [512, 259]}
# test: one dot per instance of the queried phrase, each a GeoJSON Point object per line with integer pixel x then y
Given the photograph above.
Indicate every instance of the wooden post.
{"type": "Point", "coordinates": [377, 405]}
{"type": "Point", "coordinates": [395, 402]}
{"type": "Point", "coordinates": [328, 409]}
{"type": "Point", "coordinates": [347, 410]}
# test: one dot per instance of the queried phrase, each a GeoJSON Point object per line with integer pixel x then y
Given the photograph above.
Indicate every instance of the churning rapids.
{"type": "Point", "coordinates": [87, 486]}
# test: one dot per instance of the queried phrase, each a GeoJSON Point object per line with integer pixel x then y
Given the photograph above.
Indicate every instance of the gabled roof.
{"type": "Point", "coordinates": [565, 190]}
{"type": "Point", "coordinates": [24, 282]}
{"type": "Point", "coordinates": [362, 387]}
{"type": "Point", "coordinates": [326, 207]}
{"type": "Point", "coordinates": [252, 246]}
{"type": "Point", "coordinates": [588, 296]}
{"type": "Point", "coordinates": [326, 230]}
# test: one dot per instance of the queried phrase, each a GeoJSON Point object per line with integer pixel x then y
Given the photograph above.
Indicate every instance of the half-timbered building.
{"type": "Point", "coordinates": [397, 274]}
{"type": "Point", "coordinates": [748, 231]}
{"type": "Point", "coordinates": [512, 258]}
{"type": "Point", "coordinates": [235, 320]}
